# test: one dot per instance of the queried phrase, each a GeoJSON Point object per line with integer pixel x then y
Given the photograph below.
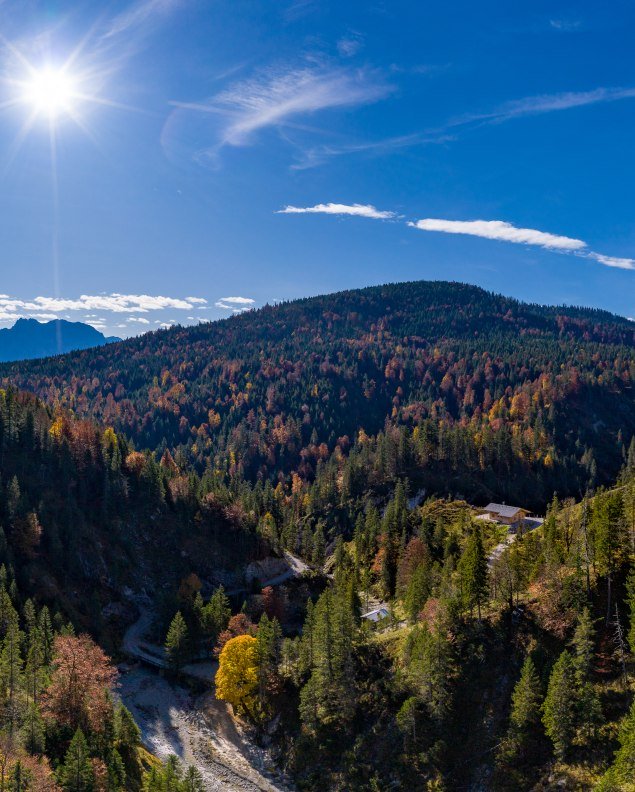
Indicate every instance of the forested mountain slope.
{"type": "Point", "coordinates": [309, 426]}
{"type": "Point", "coordinates": [80, 512]}
{"type": "Point", "coordinates": [87, 525]}
{"type": "Point", "coordinates": [482, 394]}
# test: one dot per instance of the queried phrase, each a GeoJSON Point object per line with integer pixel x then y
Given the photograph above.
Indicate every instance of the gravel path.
{"type": "Point", "coordinates": [530, 525]}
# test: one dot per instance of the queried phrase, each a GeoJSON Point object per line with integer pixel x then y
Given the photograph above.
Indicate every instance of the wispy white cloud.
{"type": "Point", "coordinates": [139, 15]}
{"type": "Point", "coordinates": [138, 320]}
{"type": "Point", "coordinates": [298, 9]}
{"type": "Point", "coordinates": [312, 156]}
{"type": "Point", "coordinates": [274, 97]}
{"type": "Point", "coordinates": [316, 155]}
{"type": "Point", "coordinates": [543, 103]}
{"type": "Point", "coordinates": [506, 232]}
{"type": "Point", "coordinates": [357, 210]}
{"type": "Point", "coordinates": [238, 300]}
{"type": "Point", "coordinates": [9, 316]}
{"type": "Point", "coordinates": [44, 317]}
{"type": "Point", "coordinates": [235, 304]}
{"type": "Point", "coordinates": [613, 261]}
{"type": "Point", "coordinates": [350, 44]}
{"type": "Point", "coordinates": [565, 25]}
{"type": "Point", "coordinates": [498, 229]}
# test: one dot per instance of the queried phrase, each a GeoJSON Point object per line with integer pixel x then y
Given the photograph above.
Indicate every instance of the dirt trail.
{"type": "Point", "coordinates": [530, 525]}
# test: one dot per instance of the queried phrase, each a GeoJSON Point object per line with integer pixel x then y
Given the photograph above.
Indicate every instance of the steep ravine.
{"type": "Point", "coordinates": [197, 728]}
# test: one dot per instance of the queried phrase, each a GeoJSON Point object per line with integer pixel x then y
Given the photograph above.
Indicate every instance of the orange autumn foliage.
{"type": "Point", "coordinates": [81, 680]}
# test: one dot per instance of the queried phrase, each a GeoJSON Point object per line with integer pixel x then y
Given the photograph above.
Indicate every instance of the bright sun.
{"type": "Point", "coordinates": [50, 92]}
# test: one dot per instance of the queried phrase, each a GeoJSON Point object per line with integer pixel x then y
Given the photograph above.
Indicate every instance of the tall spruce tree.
{"type": "Point", "coordinates": [582, 643]}
{"type": "Point", "coordinates": [176, 643]}
{"type": "Point", "coordinates": [473, 572]}
{"type": "Point", "coordinates": [526, 700]}
{"type": "Point", "coordinates": [328, 695]}
{"type": "Point", "coordinates": [427, 658]}
{"type": "Point", "coordinates": [559, 708]}
{"type": "Point", "coordinates": [76, 774]}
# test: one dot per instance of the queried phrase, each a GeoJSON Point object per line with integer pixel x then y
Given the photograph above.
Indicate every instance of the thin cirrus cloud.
{"type": "Point", "coordinates": [453, 128]}
{"type": "Point", "coordinates": [541, 104]}
{"type": "Point", "coordinates": [275, 97]}
{"type": "Point", "coordinates": [497, 230]}
{"type": "Point", "coordinates": [139, 16]}
{"type": "Point", "coordinates": [350, 45]}
{"type": "Point", "coordinates": [357, 210]}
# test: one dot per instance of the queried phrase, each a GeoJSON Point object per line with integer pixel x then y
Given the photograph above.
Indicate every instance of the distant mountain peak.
{"type": "Point", "coordinates": [30, 338]}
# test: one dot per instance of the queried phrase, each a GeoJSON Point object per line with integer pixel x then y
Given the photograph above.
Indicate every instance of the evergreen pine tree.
{"type": "Point", "coordinates": [318, 553]}
{"type": "Point", "coordinates": [473, 571]}
{"type": "Point", "coordinates": [428, 662]}
{"type": "Point", "coordinates": [76, 774]}
{"type": "Point", "coordinates": [176, 643]}
{"type": "Point", "coordinates": [407, 722]}
{"type": "Point", "coordinates": [526, 701]}
{"type": "Point", "coordinates": [20, 779]}
{"type": "Point", "coordinates": [328, 696]}
{"type": "Point", "coordinates": [116, 772]}
{"type": "Point", "coordinates": [193, 781]}
{"type": "Point", "coordinates": [32, 732]}
{"type": "Point", "coordinates": [619, 776]}
{"type": "Point", "coordinates": [172, 774]}
{"type": "Point", "coordinates": [559, 708]}
{"type": "Point", "coordinates": [217, 613]}
{"type": "Point", "coordinates": [583, 644]}
{"type": "Point", "coordinates": [127, 739]}
{"type": "Point", "coordinates": [417, 592]}
{"type": "Point", "coordinates": [268, 638]}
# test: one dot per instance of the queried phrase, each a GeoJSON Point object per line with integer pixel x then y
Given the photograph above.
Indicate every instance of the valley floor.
{"type": "Point", "coordinates": [198, 729]}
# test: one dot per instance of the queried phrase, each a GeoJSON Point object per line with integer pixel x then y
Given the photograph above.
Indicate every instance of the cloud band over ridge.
{"type": "Point", "coordinates": [498, 230]}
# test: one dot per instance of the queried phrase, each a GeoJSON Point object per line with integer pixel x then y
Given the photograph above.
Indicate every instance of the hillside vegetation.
{"type": "Point", "coordinates": [161, 467]}
{"type": "Point", "coordinates": [481, 394]}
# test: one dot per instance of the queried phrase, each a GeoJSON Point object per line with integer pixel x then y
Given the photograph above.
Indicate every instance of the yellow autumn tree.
{"type": "Point", "coordinates": [237, 675]}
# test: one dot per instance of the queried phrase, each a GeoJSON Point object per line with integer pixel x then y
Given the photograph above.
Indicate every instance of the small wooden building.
{"type": "Point", "coordinates": [376, 615]}
{"type": "Point", "coordinates": [514, 516]}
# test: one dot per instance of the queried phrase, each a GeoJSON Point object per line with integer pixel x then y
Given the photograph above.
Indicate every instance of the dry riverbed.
{"type": "Point", "coordinates": [199, 730]}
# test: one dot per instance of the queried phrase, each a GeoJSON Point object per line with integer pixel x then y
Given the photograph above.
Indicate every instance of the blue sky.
{"type": "Point", "coordinates": [155, 156]}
